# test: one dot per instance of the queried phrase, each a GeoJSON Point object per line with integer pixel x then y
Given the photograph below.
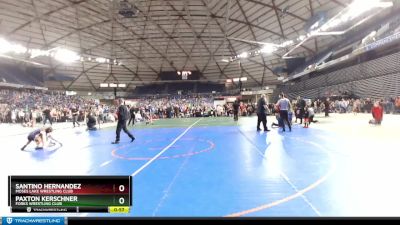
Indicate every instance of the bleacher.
{"type": "Point", "coordinates": [150, 89]}
{"type": "Point", "coordinates": [173, 88]}
{"type": "Point", "coordinates": [384, 28]}
{"type": "Point", "coordinates": [209, 88]}
{"type": "Point", "coordinates": [378, 78]}
{"type": "Point", "coordinates": [10, 74]}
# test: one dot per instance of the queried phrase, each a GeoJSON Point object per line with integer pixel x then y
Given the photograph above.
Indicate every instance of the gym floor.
{"type": "Point", "coordinates": [340, 166]}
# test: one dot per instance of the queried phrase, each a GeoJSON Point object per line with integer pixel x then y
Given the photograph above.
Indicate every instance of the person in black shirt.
{"type": "Point", "coordinates": [236, 110]}
{"type": "Point", "coordinates": [91, 121]}
{"type": "Point", "coordinates": [327, 104]}
{"type": "Point", "coordinates": [75, 112]}
{"type": "Point", "coordinates": [300, 107]}
{"type": "Point", "coordinates": [123, 116]}
{"type": "Point", "coordinates": [261, 114]}
{"type": "Point", "coordinates": [132, 113]}
{"type": "Point", "coordinates": [47, 116]}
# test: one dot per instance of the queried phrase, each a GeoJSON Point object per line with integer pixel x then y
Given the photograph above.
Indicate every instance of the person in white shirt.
{"type": "Point", "coordinates": [284, 107]}
{"type": "Point", "coordinates": [33, 116]}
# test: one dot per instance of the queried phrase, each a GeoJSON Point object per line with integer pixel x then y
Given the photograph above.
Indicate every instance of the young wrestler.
{"type": "Point", "coordinates": [40, 136]}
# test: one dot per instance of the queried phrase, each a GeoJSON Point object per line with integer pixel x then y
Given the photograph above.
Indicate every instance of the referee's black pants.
{"type": "Point", "coordinates": [261, 117]}
{"type": "Point", "coordinates": [122, 126]}
{"type": "Point", "coordinates": [235, 115]}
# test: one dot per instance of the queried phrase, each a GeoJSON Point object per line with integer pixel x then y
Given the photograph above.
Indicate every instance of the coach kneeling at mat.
{"type": "Point", "coordinates": [123, 116]}
{"type": "Point", "coordinates": [91, 122]}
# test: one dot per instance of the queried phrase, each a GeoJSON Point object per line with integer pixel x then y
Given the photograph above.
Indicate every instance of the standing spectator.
{"type": "Point", "coordinates": [132, 117]}
{"type": "Point", "coordinates": [300, 108]}
{"type": "Point", "coordinates": [236, 111]}
{"type": "Point", "coordinates": [356, 106]}
{"type": "Point", "coordinates": [306, 118]}
{"type": "Point", "coordinates": [389, 105]}
{"type": "Point", "coordinates": [47, 116]}
{"type": "Point", "coordinates": [33, 117]}
{"type": "Point", "coordinates": [397, 105]}
{"type": "Point", "coordinates": [318, 106]}
{"type": "Point", "coordinates": [27, 116]}
{"type": "Point", "coordinates": [327, 107]}
{"type": "Point", "coordinates": [75, 112]}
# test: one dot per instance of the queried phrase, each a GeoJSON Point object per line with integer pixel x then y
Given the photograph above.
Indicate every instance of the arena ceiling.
{"type": "Point", "coordinates": [162, 36]}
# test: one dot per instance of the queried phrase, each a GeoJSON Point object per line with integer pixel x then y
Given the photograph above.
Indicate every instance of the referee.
{"type": "Point", "coordinates": [123, 116]}
{"type": "Point", "coordinates": [261, 114]}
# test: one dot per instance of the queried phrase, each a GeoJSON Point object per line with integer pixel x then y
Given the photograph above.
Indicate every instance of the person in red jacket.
{"type": "Point", "coordinates": [377, 113]}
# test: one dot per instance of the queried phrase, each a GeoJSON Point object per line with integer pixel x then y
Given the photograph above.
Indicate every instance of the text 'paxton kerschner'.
{"type": "Point", "coordinates": [44, 200]}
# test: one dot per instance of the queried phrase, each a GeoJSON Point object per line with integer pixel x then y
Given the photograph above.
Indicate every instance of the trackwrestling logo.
{"type": "Point", "coordinates": [33, 220]}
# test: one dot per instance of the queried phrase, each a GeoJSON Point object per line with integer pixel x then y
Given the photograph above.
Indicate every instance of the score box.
{"type": "Point", "coordinates": [68, 193]}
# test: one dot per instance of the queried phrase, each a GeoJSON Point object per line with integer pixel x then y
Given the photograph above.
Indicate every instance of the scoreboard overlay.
{"type": "Point", "coordinates": [74, 194]}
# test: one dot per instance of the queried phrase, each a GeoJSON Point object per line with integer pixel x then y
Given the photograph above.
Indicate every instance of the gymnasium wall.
{"type": "Point", "coordinates": [378, 78]}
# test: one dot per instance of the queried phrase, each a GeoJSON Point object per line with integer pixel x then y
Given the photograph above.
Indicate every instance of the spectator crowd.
{"type": "Point", "coordinates": [32, 106]}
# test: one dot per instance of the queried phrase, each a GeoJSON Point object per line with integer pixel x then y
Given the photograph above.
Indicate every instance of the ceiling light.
{"type": "Point", "coordinates": [65, 55]}
{"type": "Point", "coordinates": [37, 52]}
{"type": "Point", "coordinates": [19, 49]}
{"type": "Point", "coordinates": [244, 55]}
{"type": "Point", "coordinates": [122, 85]}
{"type": "Point", "coordinates": [301, 37]}
{"type": "Point", "coordinates": [103, 85]}
{"type": "Point", "coordinates": [286, 43]}
{"type": "Point", "coordinates": [358, 7]}
{"type": "Point", "coordinates": [268, 48]}
{"type": "Point", "coordinates": [314, 26]}
{"type": "Point", "coordinates": [6, 46]}
{"type": "Point", "coordinates": [113, 85]}
{"type": "Point", "coordinates": [101, 60]}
